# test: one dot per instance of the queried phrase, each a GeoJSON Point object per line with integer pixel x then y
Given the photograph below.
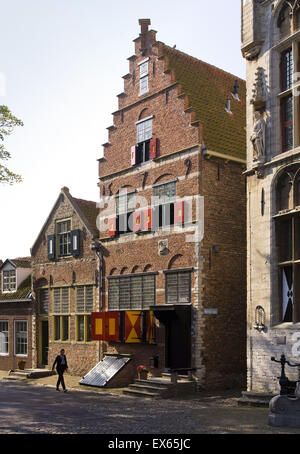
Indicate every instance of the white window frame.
{"type": "Point", "coordinates": [5, 353]}
{"type": "Point", "coordinates": [144, 130]}
{"type": "Point", "coordinates": [10, 290]}
{"type": "Point", "coordinates": [23, 355]}
{"type": "Point", "coordinates": [144, 76]}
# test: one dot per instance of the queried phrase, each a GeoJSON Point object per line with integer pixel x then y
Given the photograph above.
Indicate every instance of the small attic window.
{"type": "Point", "coordinates": [228, 107]}
{"type": "Point", "coordinates": [235, 93]}
{"type": "Point", "coordinates": [9, 281]}
{"type": "Point", "coordinates": [144, 76]}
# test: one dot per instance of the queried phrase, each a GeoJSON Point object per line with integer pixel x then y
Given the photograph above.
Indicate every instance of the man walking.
{"type": "Point", "coordinates": [61, 366]}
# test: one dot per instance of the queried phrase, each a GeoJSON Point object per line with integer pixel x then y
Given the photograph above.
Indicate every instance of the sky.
{"type": "Point", "coordinates": [61, 68]}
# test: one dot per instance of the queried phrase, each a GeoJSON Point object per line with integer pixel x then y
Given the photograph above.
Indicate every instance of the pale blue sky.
{"type": "Point", "coordinates": [63, 62]}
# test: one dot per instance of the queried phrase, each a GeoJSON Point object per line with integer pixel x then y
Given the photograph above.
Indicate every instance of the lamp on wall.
{"type": "Point", "coordinates": [260, 316]}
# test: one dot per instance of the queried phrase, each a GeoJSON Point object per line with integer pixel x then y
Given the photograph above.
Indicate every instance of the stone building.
{"type": "Point", "coordinates": [173, 217]}
{"type": "Point", "coordinates": [16, 313]}
{"type": "Point", "coordinates": [270, 45]}
{"type": "Point", "coordinates": [65, 279]}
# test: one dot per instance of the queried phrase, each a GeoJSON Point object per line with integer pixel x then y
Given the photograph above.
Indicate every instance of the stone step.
{"type": "Point", "coordinates": [159, 383]}
{"type": "Point", "coordinates": [137, 393]}
{"type": "Point", "coordinates": [253, 399]}
{"type": "Point", "coordinates": [179, 377]}
{"type": "Point", "coordinates": [31, 373]}
{"type": "Point", "coordinates": [148, 388]}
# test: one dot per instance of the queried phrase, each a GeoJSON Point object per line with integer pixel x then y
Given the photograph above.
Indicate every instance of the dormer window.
{"type": "Point", "coordinates": [9, 281]}
{"type": "Point", "coordinates": [144, 86]}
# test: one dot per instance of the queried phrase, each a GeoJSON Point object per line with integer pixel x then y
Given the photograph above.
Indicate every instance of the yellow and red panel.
{"type": "Point", "coordinates": [105, 326]}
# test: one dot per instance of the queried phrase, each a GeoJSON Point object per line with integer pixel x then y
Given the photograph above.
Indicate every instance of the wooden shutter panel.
{"type": "Point", "coordinates": [75, 242]}
{"type": "Point", "coordinates": [147, 219]}
{"type": "Point", "coordinates": [137, 221]}
{"type": "Point", "coordinates": [51, 247]}
{"type": "Point", "coordinates": [150, 328]}
{"type": "Point", "coordinates": [133, 155]}
{"type": "Point", "coordinates": [133, 327]}
{"type": "Point", "coordinates": [179, 212]}
{"type": "Point", "coordinates": [105, 326]}
{"type": "Point", "coordinates": [98, 326]}
{"type": "Point", "coordinates": [112, 326]}
{"type": "Point", "coordinates": [153, 148]}
{"type": "Point", "coordinates": [112, 227]}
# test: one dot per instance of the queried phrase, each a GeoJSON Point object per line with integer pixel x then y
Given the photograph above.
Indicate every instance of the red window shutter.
{"type": "Point", "coordinates": [98, 326]}
{"type": "Point", "coordinates": [147, 219]}
{"type": "Point", "coordinates": [112, 226]}
{"type": "Point", "coordinates": [105, 326]}
{"type": "Point", "coordinates": [153, 148]}
{"type": "Point", "coordinates": [112, 326]}
{"type": "Point", "coordinates": [137, 221]}
{"type": "Point", "coordinates": [179, 212]}
{"type": "Point", "coordinates": [150, 328]}
{"type": "Point", "coordinates": [133, 155]}
{"type": "Point", "coordinates": [133, 327]}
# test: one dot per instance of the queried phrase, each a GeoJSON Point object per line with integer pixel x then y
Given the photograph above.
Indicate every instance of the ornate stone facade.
{"type": "Point", "coordinates": [270, 40]}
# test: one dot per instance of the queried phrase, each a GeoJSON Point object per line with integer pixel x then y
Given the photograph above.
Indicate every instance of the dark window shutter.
{"type": "Point", "coordinates": [75, 242]}
{"type": "Point", "coordinates": [51, 247]}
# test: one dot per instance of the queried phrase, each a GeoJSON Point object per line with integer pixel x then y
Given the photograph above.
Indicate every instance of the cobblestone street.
{"type": "Point", "coordinates": [31, 409]}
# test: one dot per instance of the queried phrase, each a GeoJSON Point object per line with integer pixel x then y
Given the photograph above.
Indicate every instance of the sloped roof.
{"type": "Point", "coordinates": [86, 209]}
{"type": "Point", "coordinates": [23, 292]}
{"type": "Point", "coordinates": [89, 210]}
{"type": "Point", "coordinates": [20, 262]}
{"type": "Point", "coordinates": [208, 88]}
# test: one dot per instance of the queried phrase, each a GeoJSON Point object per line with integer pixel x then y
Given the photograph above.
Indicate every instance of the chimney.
{"type": "Point", "coordinates": [144, 23]}
{"type": "Point", "coordinates": [147, 37]}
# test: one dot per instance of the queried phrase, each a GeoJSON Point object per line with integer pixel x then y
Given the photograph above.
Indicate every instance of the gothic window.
{"type": "Point", "coordinates": [287, 222]}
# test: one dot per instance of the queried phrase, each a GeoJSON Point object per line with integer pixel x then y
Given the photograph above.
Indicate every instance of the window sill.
{"type": "Point", "coordinates": [4, 354]}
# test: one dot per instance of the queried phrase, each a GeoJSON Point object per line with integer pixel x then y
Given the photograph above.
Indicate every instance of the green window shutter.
{"type": "Point", "coordinates": [75, 247]}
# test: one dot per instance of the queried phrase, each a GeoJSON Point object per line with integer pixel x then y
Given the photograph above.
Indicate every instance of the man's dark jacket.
{"type": "Point", "coordinates": [59, 366]}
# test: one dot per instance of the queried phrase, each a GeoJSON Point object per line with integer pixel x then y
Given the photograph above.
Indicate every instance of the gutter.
{"type": "Point", "coordinates": [208, 154]}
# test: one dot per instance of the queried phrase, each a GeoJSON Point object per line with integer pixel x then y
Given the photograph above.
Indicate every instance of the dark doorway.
{"type": "Point", "coordinates": [45, 342]}
{"type": "Point", "coordinates": [177, 321]}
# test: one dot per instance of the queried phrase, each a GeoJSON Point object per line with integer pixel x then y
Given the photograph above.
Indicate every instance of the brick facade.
{"type": "Point", "coordinates": [265, 36]}
{"type": "Point", "coordinates": [66, 273]}
{"type": "Point", "coordinates": [218, 260]}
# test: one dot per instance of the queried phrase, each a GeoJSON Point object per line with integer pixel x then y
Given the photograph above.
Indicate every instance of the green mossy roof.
{"type": "Point", "coordinates": [208, 89]}
{"type": "Point", "coordinates": [23, 291]}
{"type": "Point", "coordinates": [89, 210]}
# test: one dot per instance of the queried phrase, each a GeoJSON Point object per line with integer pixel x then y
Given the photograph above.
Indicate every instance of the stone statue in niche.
{"type": "Point", "coordinates": [258, 138]}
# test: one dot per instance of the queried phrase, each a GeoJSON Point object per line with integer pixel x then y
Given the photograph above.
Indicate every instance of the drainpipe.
{"type": "Point", "coordinates": [96, 247]}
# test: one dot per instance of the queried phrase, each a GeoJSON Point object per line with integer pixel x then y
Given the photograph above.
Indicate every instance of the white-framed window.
{"type": "Point", "coordinates": [144, 135]}
{"type": "Point", "coordinates": [9, 281]}
{"type": "Point", "coordinates": [21, 337]}
{"type": "Point", "coordinates": [144, 77]}
{"type": "Point", "coordinates": [3, 337]}
{"type": "Point", "coordinates": [144, 130]}
{"type": "Point", "coordinates": [63, 229]}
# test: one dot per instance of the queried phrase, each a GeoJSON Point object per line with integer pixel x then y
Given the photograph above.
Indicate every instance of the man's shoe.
{"type": "Point", "coordinates": [65, 390]}
{"type": "Point", "coordinates": [57, 389]}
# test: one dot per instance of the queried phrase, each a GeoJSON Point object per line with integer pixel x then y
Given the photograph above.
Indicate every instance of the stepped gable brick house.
{"type": "Point", "coordinates": [16, 313]}
{"type": "Point", "coordinates": [270, 45]}
{"type": "Point", "coordinates": [66, 283]}
{"type": "Point", "coordinates": [172, 223]}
